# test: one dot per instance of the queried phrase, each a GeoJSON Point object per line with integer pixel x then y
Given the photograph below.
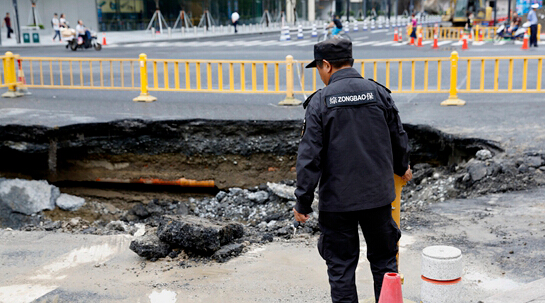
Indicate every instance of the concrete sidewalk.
{"type": "Point", "coordinates": [533, 292]}
{"type": "Point", "coordinates": [126, 37]}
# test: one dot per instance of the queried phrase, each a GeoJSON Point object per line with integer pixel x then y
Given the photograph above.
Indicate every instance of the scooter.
{"type": "Point", "coordinates": [503, 33]}
{"type": "Point", "coordinates": [74, 41]}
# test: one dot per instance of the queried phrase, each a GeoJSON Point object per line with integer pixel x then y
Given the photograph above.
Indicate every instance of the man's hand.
{"type": "Point", "coordinates": [300, 217]}
{"type": "Point", "coordinates": [408, 175]}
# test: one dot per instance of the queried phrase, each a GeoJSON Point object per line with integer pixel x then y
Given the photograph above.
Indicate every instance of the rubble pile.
{"type": "Point", "coordinates": [191, 234]}
{"type": "Point", "coordinates": [21, 201]}
{"type": "Point", "coordinates": [483, 174]}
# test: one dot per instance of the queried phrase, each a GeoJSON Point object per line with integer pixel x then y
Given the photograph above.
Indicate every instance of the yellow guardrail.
{"type": "Point", "coordinates": [289, 77]}
{"type": "Point", "coordinates": [454, 33]}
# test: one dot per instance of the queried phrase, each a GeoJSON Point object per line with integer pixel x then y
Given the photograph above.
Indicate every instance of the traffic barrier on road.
{"type": "Point", "coordinates": [525, 41]}
{"type": "Point", "coordinates": [300, 32]}
{"type": "Point", "coordinates": [285, 34]}
{"type": "Point", "coordinates": [455, 33]}
{"type": "Point", "coordinates": [464, 42]}
{"type": "Point", "coordinates": [396, 37]}
{"type": "Point", "coordinates": [314, 32]}
{"type": "Point", "coordinates": [435, 45]}
{"type": "Point", "coordinates": [287, 77]}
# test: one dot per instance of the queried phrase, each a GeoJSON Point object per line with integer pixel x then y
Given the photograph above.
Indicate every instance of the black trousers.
{"type": "Point", "coordinates": [533, 35]}
{"type": "Point", "coordinates": [10, 31]}
{"type": "Point", "coordinates": [339, 246]}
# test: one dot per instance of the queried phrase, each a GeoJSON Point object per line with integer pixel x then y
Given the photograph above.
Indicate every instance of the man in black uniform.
{"type": "Point", "coordinates": [352, 143]}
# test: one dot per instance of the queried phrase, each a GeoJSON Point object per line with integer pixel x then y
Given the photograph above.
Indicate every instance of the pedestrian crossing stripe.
{"type": "Point", "coordinates": [384, 43]}
{"type": "Point", "coordinates": [300, 43]}
{"type": "Point", "coordinates": [439, 43]}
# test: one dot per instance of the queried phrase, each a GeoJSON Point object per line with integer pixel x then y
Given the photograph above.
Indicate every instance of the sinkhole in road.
{"type": "Point", "coordinates": [229, 153]}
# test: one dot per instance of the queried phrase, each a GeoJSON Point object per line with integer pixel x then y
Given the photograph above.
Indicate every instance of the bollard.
{"type": "Point", "coordinates": [290, 100]}
{"type": "Point", "coordinates": [10, 77]}
{"type": "Point", "coordinates": [314, 32]}
{"type": "Point", "coordinates": [441, 274]}
{"type": "Point", "coordinates": [169, 31]}
{"type": "Point", "coordinates": [300, 32]}
{"type": "Point", "coordinates": [153, 32]}
{"type": "Point", "coordinates": [144, 95]}
{"type": "Point", "coordinates": [539, 32]}
{"type": "Point", "coordinates": [285, 33]}
{"type": "Point", "coordinates": [453, 96]}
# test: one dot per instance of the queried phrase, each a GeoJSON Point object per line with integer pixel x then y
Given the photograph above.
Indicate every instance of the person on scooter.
{"type": "Point", "coordinates": [84, 33]}
{"type": "Point", "coordinates": [515, 23]}
{"type": "Point", "coordinates": [337, 26]}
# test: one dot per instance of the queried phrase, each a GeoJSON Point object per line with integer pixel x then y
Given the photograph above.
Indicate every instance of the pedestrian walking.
{"type": "Point", "coordinates": [55, 23]}
{"type": "Point", "coordinates": [532, 18]}
{"type": "Point", "coordinates": [352, 143]}
{"type": "Point", "coordinates": [7, 23]}
{"type": "Point", "coordinates": [234, 19]}
{"type": "Point", "coordinates": [63, 22]}
{"type": "Point", "coordinates": [414, 24]}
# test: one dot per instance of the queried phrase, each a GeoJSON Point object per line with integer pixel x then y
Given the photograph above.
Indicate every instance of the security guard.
{"type": "Point", "coordinates": [352, 143]}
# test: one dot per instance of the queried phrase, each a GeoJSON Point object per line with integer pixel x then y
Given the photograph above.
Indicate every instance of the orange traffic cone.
{"type": "Point", "coordinates": [480, 33]}
{"type": "Point", "coordinates": [470, 35]}
{"type": "Point", "coordinates": [20, 73]}
{"type": "Point", "coordinates": [412, 41]}
{"type": "Point", "coordinates": [103, 39]}
{"type": "Point", "coordinates": [464, 45]}
{"type": "Point", "coordinates": [391, 289]}
{"type": "Point", "coordinates": [525, 41]}
{"type": "Point", "coordinates": [396, 38]}
{"type": "Point", "coordinates": [400, 37]}
{"type": "Point", "coordinates": [419, 40]}
{"type": "Point", "coordinates": [435, 46]}
{"type": "Point", "coordinates": [21, 87]}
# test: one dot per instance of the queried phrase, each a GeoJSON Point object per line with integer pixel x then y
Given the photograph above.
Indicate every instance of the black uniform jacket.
{"type": "Point", "coordinates": [352, 142]}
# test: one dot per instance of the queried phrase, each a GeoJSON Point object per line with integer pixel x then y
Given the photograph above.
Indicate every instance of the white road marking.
{"type": "Point", "coordinates": [444, 42]}
{"type": "Point", "coordinates": [363, 43]}
{"type": "Point", "coordinates": [384, 43]}
{"type": "Point", "coordinates": [270, 42]}
{"type": "Point", "coordinates": [307, 43]}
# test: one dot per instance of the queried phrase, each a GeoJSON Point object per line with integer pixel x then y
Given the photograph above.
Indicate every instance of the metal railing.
{"type": "Point", "coordinates": [80, 73]}
{"type": "Point", "coordinates": [455, 33]}
{"type": "Point", "coordinates": [289, 77]}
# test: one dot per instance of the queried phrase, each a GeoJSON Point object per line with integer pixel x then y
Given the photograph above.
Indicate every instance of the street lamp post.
{"type": "Point", "coordinates": [17, 20]}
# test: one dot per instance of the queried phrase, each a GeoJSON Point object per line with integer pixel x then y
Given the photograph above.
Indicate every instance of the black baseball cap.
{"type": "Point", "coordinates": [332, 49]}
